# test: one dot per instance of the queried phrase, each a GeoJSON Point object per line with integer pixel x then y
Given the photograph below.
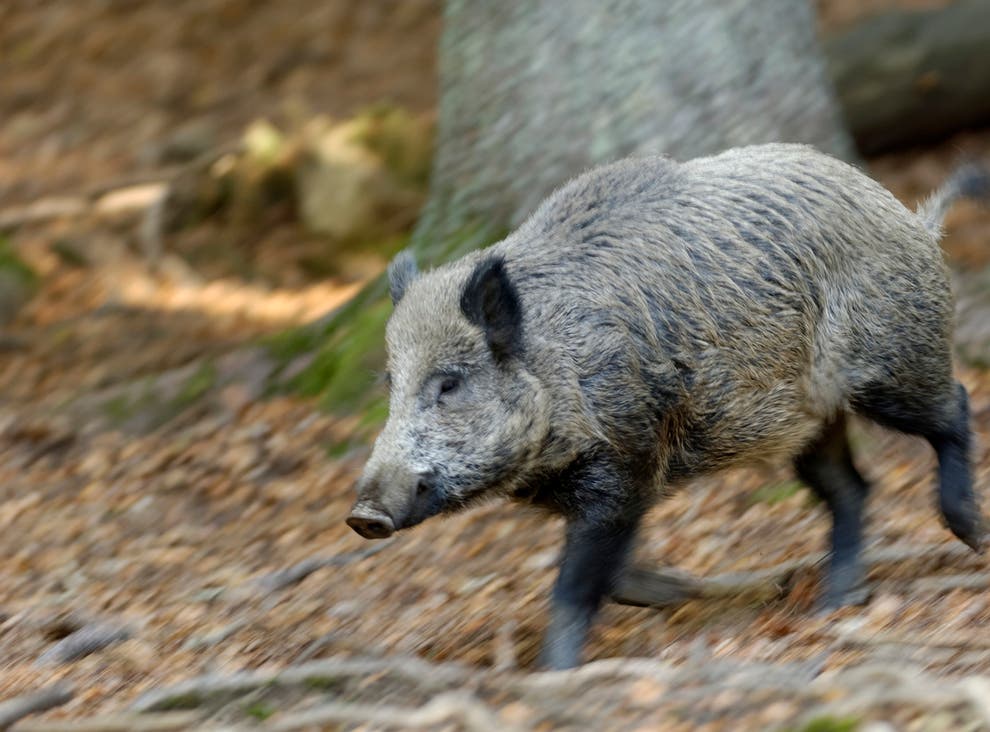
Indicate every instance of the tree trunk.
{"type": "Point", "coordinates": [536, 91]}
{"type": "Point", "coordinates": [907, 77]}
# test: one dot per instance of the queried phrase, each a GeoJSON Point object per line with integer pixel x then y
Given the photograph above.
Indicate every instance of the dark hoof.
{"type": "Point", "coordinates": [969, 528]}
{"type": "Point", "coordinates": [976, 543]}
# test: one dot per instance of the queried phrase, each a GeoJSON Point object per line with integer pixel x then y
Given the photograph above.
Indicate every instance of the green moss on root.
{"type": "Point", "coordinates": [340, 358]}
{"type": "Point", "coordinates": [775, 493]}
{"type": "Point", "coordinates": [829, 724]}
{"type": "Point", "coordinates": [201, 381]}
{"type": "Point", "coordinates": [14, 266]}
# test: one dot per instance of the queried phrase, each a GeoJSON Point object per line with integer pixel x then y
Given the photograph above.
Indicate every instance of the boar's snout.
{"type": "Point", "coordinates": [371, 522]}
{"type": "Point", "coordinates": [393, 499]}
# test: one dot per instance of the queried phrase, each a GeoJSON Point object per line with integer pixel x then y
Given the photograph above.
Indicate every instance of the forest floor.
{"type": "Point", "coordinates": [161, 545]}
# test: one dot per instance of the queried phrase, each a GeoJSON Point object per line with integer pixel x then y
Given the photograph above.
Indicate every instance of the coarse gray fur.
{"type": "Point", "coordinates": [969, 181]}
{"type": "Point", "coordinates": [653, 321]}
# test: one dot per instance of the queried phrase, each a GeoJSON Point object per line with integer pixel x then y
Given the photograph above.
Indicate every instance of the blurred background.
{"type": "Point", "coordinates": [197, 200]}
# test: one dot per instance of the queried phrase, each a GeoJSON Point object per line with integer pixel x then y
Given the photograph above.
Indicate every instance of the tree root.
{"type": "Point", "coordinates": [86, 640]}
{"type": "Point", "coordinates": [461, 707]}
{"type": "Point", "coordinates": [195, 692]}
{"type": "Point", "coordinates": [163, 722]}
{"type": "Point", "coordinates": [33, 703]}
{"type": "Point", "coordinates": [460, 695]}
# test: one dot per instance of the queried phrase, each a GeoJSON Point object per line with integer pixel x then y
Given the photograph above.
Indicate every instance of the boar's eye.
{"type": "Point", "coordinates": [448, 383]}
{"type": "Point", "coordinates": [440, 387]}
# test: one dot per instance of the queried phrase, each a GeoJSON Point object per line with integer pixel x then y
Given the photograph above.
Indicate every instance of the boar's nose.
{"type": "Point", "coordinates": [371, 523]}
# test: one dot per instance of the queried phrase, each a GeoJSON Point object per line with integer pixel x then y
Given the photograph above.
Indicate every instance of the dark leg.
{"type": "Point", "coordinates": [594, 554]}
{"type": "Point", "coordinates": [827, 467]}
{"type": "Point", "coordinates": [956, 499]}
{"type": "Point", "coordinates": [942, 418]}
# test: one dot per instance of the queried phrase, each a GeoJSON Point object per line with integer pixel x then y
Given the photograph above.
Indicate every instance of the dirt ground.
{"type": "Point", "coordinates": [168, 537]}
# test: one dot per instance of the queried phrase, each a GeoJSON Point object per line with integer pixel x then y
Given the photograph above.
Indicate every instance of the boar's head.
{"type": "Point", "coordinates": [466, 417]}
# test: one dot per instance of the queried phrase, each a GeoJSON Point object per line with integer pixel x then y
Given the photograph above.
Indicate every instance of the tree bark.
{"type": "Point", "coordinates": [533, 93]}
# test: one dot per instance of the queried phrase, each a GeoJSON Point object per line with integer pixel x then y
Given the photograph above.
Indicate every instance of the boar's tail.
{"type": "Point", "coordinates": [970, 181]}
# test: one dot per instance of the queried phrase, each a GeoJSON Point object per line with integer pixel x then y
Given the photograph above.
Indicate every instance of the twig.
{"type": "Point", "coordinates": [151, 233]}
{"type": "Point", "coordinates": [86, 640]}
{"type": "Point", "coordinates": [33, 703]}
{"type": "Point", "coordinates": [452, 706]}
{"type": "Point", "coordinates": [611, 668]}
{"type": "Point", "coordinates": [283, 578]}
{"type": "Point", "coordinates": [342, 642]}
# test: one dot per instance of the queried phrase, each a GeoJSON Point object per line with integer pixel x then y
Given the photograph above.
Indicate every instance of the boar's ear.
{"type": "Point", "coordinates": [490, 301]}
{"type": "Point", "coordinates": [401, 272]}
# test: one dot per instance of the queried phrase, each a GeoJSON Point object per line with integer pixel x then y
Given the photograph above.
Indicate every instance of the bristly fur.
{"type": "Point", "coordinates": [654, 321]}
{"type": "Point", "coordinates": [686, 315]}
{"type": "Point", "coordinates": [971, 180]}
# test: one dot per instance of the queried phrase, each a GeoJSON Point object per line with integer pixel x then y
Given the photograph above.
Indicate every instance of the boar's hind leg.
{"type": "Point", "coordinates": [594, 553]}
{"type": "Point", "coordinates": [941, 416]}
{"type": "Point", "coordinates": [826, 466]}
{"type": "Point", "coordinates": [955, 475]}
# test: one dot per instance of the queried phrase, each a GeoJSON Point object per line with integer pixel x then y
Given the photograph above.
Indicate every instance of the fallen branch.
{"type": "Point", "coordinates": [86, 640]}
{"type": "Point", "coordinates": [33, 703]}
{"type": "Point", "coordinates": [942, 639]}
{"type": "Point", "coordinates": [129, 193]}
{"type": "Point", "coordinates": [460, 707]}
{"type": "Point", "coordinates": [643, 587]}
{"type": "Point", "coordinates": [974, 581]}
{"type": "Point", "coordinates": [283, 578]}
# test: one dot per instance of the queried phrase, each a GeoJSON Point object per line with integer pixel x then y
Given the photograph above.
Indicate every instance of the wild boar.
{"type": "Point", "coordinates": [654, 321]}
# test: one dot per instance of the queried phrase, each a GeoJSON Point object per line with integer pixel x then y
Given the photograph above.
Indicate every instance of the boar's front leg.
{"type": "Point", "coordinates": [827, 467]}
{"type": "Point", "coordinates": [597, 543]}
